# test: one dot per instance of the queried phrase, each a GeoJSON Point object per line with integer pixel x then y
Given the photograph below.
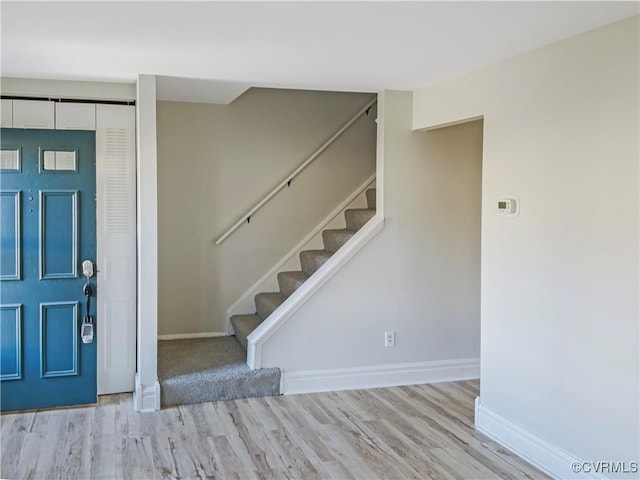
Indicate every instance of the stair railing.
{"type": "Point", "coordinates": [289, 178]}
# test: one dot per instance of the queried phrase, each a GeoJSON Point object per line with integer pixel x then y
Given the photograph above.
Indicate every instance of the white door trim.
{"type": "Point", "coordinates": [147, 389]}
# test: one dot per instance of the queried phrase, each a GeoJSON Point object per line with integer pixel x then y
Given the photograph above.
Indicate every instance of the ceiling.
{"type": "Point", "coordinates": [213, 51]}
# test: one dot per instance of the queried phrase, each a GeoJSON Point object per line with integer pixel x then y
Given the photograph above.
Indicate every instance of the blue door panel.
{"type": "Point", "coordinates": [58, 235]}
{"type": "Point", "coordinates": [43, 360]}
{"type": "Point", "coordinates": [11, 342]}
{"type": "Point", "coordinates": [59, 339]}
{"type": "Point", "coordinates": [10, 241]}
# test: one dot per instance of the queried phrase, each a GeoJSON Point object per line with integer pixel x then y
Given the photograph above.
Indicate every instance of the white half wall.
{"type": "Point", "coordinates": [420, 276]}
{"type": "Point", "coordinates": [215, 162]}
{"type": "Point", "coordinates": [560, 363]}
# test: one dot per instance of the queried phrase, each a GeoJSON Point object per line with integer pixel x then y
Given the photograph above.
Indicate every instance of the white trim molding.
{"type": "Point", "coordinates": [184, 336]}
{"type": "Point", "coordinates": [303, 294]}
{"type": "Point", "coordinates": [146, 398]}
{"type": "Point", "coordinates": [391, 375]}
{"type": "Point", "coordinates": [552, 460]}
{"type": "Point", "coordinates": [380, 153]}
{"type": "Point", "coordinates": [83, 90]}
{"type": "Point", "coordinates": [147, 232]}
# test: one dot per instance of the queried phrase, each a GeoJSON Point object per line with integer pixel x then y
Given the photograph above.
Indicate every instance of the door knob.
{"type": "Point", "coordinates": [87, 269]}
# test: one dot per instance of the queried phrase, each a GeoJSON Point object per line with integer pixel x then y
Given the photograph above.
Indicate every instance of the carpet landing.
{"type": "Point", "coordinates": [209, 369]}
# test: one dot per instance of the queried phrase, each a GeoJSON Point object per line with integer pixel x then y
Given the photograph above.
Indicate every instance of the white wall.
{"type": "Point", "coordinates": [216, 161]}
{"type": "Point", "coordinates": [560, 319]}
{"type": "Point", "coordinates": [419, 277]}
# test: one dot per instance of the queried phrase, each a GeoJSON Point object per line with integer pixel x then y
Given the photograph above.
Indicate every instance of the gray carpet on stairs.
{"type": "Point", "coordinates": [209, 369]}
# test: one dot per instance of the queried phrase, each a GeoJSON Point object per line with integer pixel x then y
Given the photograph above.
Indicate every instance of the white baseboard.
{"type": "Point", "coordinates": [146, 398]}
{"type": "Point", "coordinates": [179, 336]}
{"type": "Point", "coordinates": [552, 460]}
{"type": "Point", "coordinates": [310, 381]}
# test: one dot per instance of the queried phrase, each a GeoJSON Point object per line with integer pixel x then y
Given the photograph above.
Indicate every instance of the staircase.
{"type": "Point", "coordinates": [310, 261]}
{"type": "Point", "coordinates": [210, 369]}
{"type": "Point", "coordinates": [199, 370]}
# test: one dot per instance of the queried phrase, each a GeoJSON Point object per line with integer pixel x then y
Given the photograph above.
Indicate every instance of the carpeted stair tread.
{"type": "Point", "coordinates": [357, 217]}
{"type": "Point", "coordinates": [290, 281]}
{"type": "Point", "coordinates": [266, 303]}
{"type": "Point", "coordinates": [371, 198]}
{"type": "Point", "coordinates": [210, 369]}
{"type": "Point", "coordinates": [243, 325]}
{"type": "Point", "coordinates": [312, 260]}
{"type": "Point", "coordinates": [334, 239]}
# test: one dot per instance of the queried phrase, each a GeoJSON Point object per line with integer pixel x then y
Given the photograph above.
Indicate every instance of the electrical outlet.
{"type": "Point", "coordinates": [390, 339]}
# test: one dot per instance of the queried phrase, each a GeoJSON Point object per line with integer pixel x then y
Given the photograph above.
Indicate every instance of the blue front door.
{"type": "Point", "coordinates": [47, 229]}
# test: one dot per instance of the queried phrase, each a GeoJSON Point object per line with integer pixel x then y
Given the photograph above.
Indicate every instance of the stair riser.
{"type": "Point", "coordinates": [288, 285]}
{"type": "Point", "coordinates": [242, 339]}
{"type": "Point", "coordinates": [263, 309]}
{"type": "Point", "coordinates": [357, 218]}
{"type": "Point", "coordinates": [311, 263]}
{"type": "Point", "coordinates": [243, 325]}
{"type": "Point", "coordinates": [266, 304]}
{"type": "Point", "coordinates": [334, 240]}
{"type": "Point", "coordinates": [371, 198]}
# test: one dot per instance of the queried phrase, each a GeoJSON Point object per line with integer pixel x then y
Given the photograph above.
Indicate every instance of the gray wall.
{"type": "Point", "coordinates": [216, 161]}
{"type": "Point", "coordinates": [420, 276]}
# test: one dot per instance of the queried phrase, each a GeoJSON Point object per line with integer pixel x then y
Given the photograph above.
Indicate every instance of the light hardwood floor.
{"type": "Point", "coordinates": [423, 431]}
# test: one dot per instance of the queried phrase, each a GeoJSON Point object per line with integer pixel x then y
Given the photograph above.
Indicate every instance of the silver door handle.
{"type": "Point", "coordinates": [87, 269]}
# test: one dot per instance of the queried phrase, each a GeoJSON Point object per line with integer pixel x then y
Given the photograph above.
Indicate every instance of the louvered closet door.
{"type": "Point", "coordinates": [115, 153]}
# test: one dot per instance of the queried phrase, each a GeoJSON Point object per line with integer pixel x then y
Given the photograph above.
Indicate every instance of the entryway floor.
{"type": "Point", "coordinates": [419, 431]}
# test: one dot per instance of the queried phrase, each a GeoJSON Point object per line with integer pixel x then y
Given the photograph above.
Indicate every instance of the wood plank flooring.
{"type": "Point", "coordinates": [421, 431]}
